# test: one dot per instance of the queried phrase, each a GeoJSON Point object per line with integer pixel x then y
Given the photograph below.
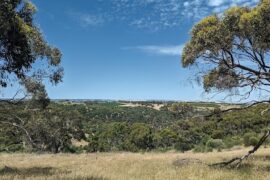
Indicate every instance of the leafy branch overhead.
{"type": "Point", "coordinates": [233, 47]}
{"type": "Point", "coordinates": [22, 45]}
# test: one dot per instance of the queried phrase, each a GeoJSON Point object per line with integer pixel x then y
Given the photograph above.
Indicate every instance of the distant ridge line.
{"type": "Point", "coordinates": [134, 101]}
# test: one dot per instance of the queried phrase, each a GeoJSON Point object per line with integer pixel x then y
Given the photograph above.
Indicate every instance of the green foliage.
{"type": "Point", "coordinates": [140, 137]}
{"type": "Point", "coordinates": [9, 141]}
{"type": "Point", "coordinates": [51, 129]}
{"type": "Point", "coordinates": [119, 136]}
{"type": "Point", "coordinates": [182, 109]}
{"type": "Point", "coordinates": [217, 134]}
{"type": "Point", "coordinates": [210, 145]}
{"type": "Point", "coordinates": [226, 43]}
{"type": "Point", "coordinates": [165, 138]}
{"type": "Point", "coordinates": [22, 45]}
{"type": "Point", "coordinates": [215, 144]}
{"type": "Point", "coordinates": [183, 145]}
{"type": "Point", "coordinates": [54, 128]}
{"type": "Point", "coordinates": [232, 141]}
{"type": "Point", "coordinates": [28, 60]}
{"type": "Point", "coordinates": [199, 148]}
{"type": "Point", "coordinates": [250, 139]}
{"type": "Point", "coordinates": [253, 141]}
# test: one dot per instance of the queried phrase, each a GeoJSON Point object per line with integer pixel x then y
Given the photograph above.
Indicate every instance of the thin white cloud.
{"type": "Point", "coordinates": [90, 20]}
{"type": "Point", "coordinates": [87, 19]}
{"type": "Point", "coordinates": [216, 2]}
{"type": "Point", "coordinates": [171, 50]}
{"type": "Point", "coordinates": [154, 14]}
{"type": "Point", "coordinates": [226, 4]}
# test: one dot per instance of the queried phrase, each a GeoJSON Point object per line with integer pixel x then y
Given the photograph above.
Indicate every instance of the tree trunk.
{"type": "Point", "coordinates": [236, 162]}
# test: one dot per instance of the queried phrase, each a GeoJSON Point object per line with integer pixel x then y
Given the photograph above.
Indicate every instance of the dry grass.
{"type": "Point", "coordinates": [130, 166]}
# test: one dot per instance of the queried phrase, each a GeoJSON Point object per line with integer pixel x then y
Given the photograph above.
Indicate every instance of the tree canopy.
{"type": "Point", "coordinates": [233, 49]}
{"type": "Point", "coordinates": [25, 56]}
{"type": "Point", "coordinates": [27, 60]}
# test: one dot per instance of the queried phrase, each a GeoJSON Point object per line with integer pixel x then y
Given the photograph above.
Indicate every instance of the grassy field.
{"type": "Point", "coordinates": [126, 166]}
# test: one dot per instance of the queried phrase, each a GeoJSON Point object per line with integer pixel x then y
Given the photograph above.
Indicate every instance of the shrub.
{"type": "Point", "coordinates": [215, 144]}
{"type": "Point", "coordinates": [182, 145]}
{"type": "Point", "coordinates": [140, 137]}
{"type": "Point", "coordinates": [199, 148]}
{"type": "Point", "coordinates": [232, 141]}
{"type": "Point", "coordinates": [253, 141]}
{"type": "Point", "coordinates": [165, 138]}
{"type": "Point", "coordinates": [217, 134]}
{"type": "Point", "coordinates": [250, 139]}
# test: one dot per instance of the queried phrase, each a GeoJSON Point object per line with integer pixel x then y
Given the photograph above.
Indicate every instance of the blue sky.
{"type": "Point", "coordinates": [125, 49]}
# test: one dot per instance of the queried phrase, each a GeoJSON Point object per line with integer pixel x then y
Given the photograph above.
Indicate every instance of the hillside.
{"type": "Point", "coordinates": [136, 126]}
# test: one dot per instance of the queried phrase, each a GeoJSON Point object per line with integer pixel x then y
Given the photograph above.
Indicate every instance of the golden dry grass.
{"type": "Point", "coordinates": [132, 166]}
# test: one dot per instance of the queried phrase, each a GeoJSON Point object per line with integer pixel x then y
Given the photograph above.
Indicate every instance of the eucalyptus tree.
{"type": "Point", "coordinates": [233, 53]}
{"type": "Point", "coordinates": [26, 60]}
{"type": "Point", "coordinates": [25, 56]}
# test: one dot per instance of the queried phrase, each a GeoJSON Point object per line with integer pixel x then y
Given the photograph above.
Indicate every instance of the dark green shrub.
{"type": "Point", "coordinates": [253, 141]}
{"type": "Point", "coordinates": [73, 149]}
{"type": "Point", "coordinates": [165, 138]}
{"type": "Point", "coordinates": [218, 134]}
{"type": "Point", "coordinates": [182, 145]}
{"type": "Point", "coordinates": [140, 137]}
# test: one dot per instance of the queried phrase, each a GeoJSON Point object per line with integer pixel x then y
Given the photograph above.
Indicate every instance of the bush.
{"type": "Point", "coordinates": [182, 145]}
{"type": "Point", "coordinates": [140, 137]}
{"type": "Point", "coordinates": [73, 149]}
{"type": "Point", "coordinates": [215, 144]}
{"type": "Point", "coordinates": [232, 141]}
{"type": "Point", "coordinates": [217, 134]}
{"type": "Point", "coordinates": [250, 139]}
{"type": "Point", "coordinates": [253, 141]}
{"type": "Point", "coordinates": [199, 148]}
{"type": "Point", "coordinates": [166, 138]}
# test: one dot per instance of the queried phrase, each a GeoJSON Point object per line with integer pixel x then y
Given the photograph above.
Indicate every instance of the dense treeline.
{"type": "Point", "coordinates": [24, 127]}
{"type": "Point", "coordinates": [110, 126]}
{"type": "Point", "coordinates": [197, 133]}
